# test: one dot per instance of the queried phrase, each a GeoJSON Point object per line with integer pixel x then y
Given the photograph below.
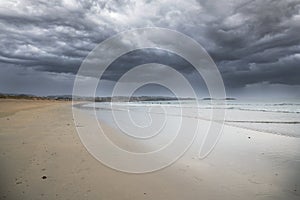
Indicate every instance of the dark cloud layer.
{"type": "Point", "coordinates": [251, 41]}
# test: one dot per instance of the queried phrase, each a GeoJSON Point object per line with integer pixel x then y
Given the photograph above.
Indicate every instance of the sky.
{"type": "Point", "coordinates": [254, 43]}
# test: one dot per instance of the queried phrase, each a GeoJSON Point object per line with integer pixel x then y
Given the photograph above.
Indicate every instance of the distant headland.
{"type": "Point", "coordinates": [101, 99]}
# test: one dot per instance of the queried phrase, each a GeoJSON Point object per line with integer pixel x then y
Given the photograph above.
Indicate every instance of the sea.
{"type": "Point", "coordinates": [280, 117]}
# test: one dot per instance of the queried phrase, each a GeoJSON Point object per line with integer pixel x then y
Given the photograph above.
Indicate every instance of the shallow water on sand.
{"type": "Point", "coordinates": [272, 117]}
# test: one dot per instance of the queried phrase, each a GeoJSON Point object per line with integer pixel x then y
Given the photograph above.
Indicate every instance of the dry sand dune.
{"type": "Point", "coordinates": [43, 158]}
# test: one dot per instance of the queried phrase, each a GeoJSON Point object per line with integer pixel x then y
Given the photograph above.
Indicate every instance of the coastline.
{"type": "Point", "coordinates": [38, 138]}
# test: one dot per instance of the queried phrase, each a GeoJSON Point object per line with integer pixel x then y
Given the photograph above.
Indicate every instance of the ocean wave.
{"type": "Point", "coordinates": [293, 108]}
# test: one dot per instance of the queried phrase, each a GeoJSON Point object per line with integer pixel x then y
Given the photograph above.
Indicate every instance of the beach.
{"type": "Point", "coordinates": [42, 157]}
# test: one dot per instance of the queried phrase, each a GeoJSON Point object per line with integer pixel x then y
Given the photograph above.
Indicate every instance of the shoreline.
{"type": "Point", "coordinates": [228, 122]}
{"type": "Point", "coordinates": [40, 139]}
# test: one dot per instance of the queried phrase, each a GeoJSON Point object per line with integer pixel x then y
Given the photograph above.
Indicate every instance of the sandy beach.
{"type": "Point", "coordinates": [42, 157]}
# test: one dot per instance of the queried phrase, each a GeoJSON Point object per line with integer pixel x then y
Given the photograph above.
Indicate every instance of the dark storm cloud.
{"type": "Point", "coordinates": [144, 56]}
{"type": "Point", "coordinates": [47, 36]}
{"type": "Point", "coordinates": [258, 42]}
{"type": "Point", "coordinates": [251, 41]}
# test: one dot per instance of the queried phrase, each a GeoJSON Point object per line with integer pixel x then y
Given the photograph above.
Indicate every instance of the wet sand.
{"type": "Point", "coordinates": [42, 158]}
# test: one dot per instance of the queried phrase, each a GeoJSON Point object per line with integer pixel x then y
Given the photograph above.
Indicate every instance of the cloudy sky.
{"type": "Point", "coordinates": [255, 43]}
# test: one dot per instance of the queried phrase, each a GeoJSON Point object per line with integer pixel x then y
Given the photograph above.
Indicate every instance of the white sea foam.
{"type": "Point", "coordinates": [278, 118]}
